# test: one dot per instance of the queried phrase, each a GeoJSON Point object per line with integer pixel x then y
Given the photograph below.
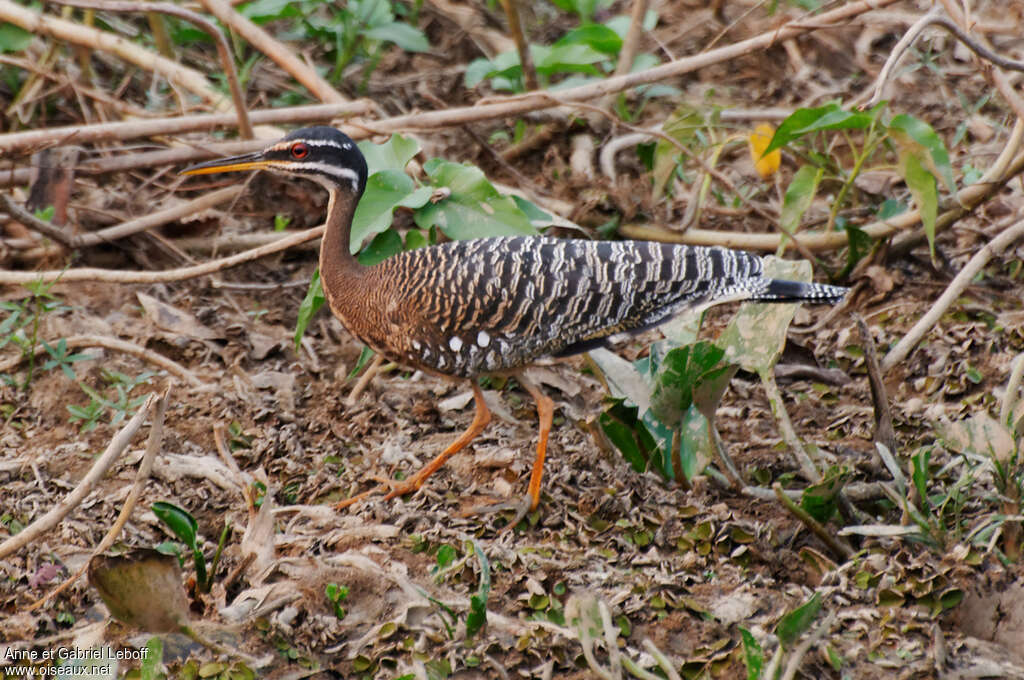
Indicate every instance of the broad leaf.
{"type": "Point", "coordinates": [476, 619]}
{"type": "Point", "coordinates": [681, 370]}
{"type": "Point", "coordinates": [922, 186]}
{"type": "Point", "coordinates": [682, 126]}
{"type": "Point", "coordinates": [624, 382]}
{"type": "Point", "coordinates": [142, 589]}
{"type": "Point", "coordinates": [566, 59]}
{"type": "Point", "coordinates": [385, 191]}
{"type": "Point", "coordinates": [394, 154]}
{"type": "Point", "coordinates": [821, 500]}
{"type": "Point", "coordinates": [383, 246]}
{"type": "Point", "coordinates": [756, 335]}
{"type": "Point", "coordinates": [906, 128]}
{"type": "Point", "coordinates": [311, 304]}
{"type": "Point", "coordinates": [806, 121]}
{"type": "Point", "coordinates": [474, 209]}
{"type": "Point", "coordinates": [595, 36]}
{"type": "Point", "coordinates": [13, 38]}
{"type": "Point", "coordinates": [753, 655]}
{"type": "Point", "coordinates": [409, 38]}
{"type": "Point", "coordinates": [181, 523]}
{"type": "Point", "coordinates": [629, 435]}
{"type": "Point", "coordinates": [799, 196]}
{"type": "Point", "coordinates": [794, 624]}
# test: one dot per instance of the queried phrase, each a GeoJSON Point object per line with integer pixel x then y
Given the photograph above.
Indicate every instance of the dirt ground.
{"type": "Point", "coordinates": [680, 570]}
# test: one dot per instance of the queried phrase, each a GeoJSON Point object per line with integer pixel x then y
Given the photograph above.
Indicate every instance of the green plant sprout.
{"type": "Point", "coordinates": [184, 526]}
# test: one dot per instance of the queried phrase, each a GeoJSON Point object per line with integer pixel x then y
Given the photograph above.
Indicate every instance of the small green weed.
{"type": "Point", "coordinates": [336, 595]}
{"type": "Point", "coordinates": [183, 525]}
{"type": "Point", "coordinates": [121, 404]}
{"type": "Point", "coordinates": [20, 327]}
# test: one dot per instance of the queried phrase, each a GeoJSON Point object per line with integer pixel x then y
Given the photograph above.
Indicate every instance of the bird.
{"type": "Point", "coordinates": [494, 306]}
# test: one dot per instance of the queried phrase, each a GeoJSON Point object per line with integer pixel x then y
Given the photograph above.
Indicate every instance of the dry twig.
{"type": "Point", "coordinates": [204, 24]}
{"type": "Point", "coordinates": [18, 142]}
{"type": "Point", "coordinates": [179, 274]}
{"type": "Point", "coordinates": [125, 228]}
{"type": "Point", "coordinates": [113, 451]}
{"type": "Point", "coordinates": [156, 436]}
{"type": "Point", "coordinates": [43, 24]}
{"type": "Point", "coordinates": [130, 348]}
{"type": "Point", "coordinates": [281, 54]}
{"type": "Point", "coordinates": [956, 287]}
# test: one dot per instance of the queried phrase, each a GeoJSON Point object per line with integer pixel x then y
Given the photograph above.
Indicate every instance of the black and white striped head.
{"type": "Point", "coordinates": [320, 153]}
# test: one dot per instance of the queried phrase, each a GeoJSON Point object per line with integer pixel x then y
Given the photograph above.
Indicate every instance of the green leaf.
{"type": "Point", "coordinates": [753, 655]}
{"type": "Point", "coordinates": [537, 216]}
{"type": "Point", "coordinates": [794, 624]}
{"type": "Point", "coordinates": [598, 37]}
{"type": "Point", "coordinates": [806, 121]}
{"type": "Point", "coordinates": [620, 23]}
{"type": "Point", "coordinates": [13, 38]}
{"type": "Point", "coordinates": [415, 239]}
{"type": "Point", "coordinates": [181, 523]}
{"type": "Point", "coordinates": [446, 554]}
{"type": "Point", "coordinates": [756, 335]}
{"type": "Point", "coordinates": [407, 37]}
{"type": "Point", "coordinates": [566, 59]}
{"type": "Point", "coordinates": [695, 444]}
{"type": "Point", "coordinates": [474, 209]}
{"type": "Point", "coordinates": [859, 244]}
{"type": "Point", "coordinates": [923, 187]}
{"type": "Point", "coordinates": [394, 154]}
{"type": "Point", "coordinates": [438, 669]}
{"type": "Point", "coordinates": [149, 669]}
{"type": "Point", "coordinates": [385, 191]}
{"type": "Point", "coordinates": [799, 196]}
{"type": "Point", "coordinates": [680, 371]}
{"type": "Point", "coordinates": [477, 616]}
{"type": "Point", "coordinates": [383, 246]}
{"type": "Point", "coordinates": [821, 500]}
{"type": "Point", "coordinates": [920, 462]}
{"type": "Point", "coordinates": [682, 126]}
{"type": "Point", "coordinates": [261, 11]}
{"type": "Point", "coordinates": [313, 301]}
{"type": "Point", "coordinates": [629, 435]}
{"type": "Point", "coordinates": [364, 355]}
{"type": "Point", "coordinates": [505, 65]}
{"type": "Point", "coordinates": [906, 128]}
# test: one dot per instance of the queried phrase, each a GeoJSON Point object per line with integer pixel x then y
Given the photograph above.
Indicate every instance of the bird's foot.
{"type": "Point", "coordinates": [410, 485]}
{"type": "Point", "coordinates": [383, 485]}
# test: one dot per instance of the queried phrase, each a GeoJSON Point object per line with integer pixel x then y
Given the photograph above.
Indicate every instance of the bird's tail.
{"type": "Point", "coordinates": [780, 290]}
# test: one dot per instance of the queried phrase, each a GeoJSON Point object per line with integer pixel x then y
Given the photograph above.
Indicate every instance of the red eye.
{"type": "Point", "coordinates": [299, 150]}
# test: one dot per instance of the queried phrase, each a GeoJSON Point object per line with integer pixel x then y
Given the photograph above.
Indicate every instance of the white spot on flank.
{"type": "Point", "coordinates": [483, 339]}
{"type": "Point", "coordinates": [416, 345]}
{"type": "Point", "coordinates": [455, 343]}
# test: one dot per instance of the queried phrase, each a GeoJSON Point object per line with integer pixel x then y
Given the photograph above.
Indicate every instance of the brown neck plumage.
{"type": "Point", "coordinates": [341, 274]}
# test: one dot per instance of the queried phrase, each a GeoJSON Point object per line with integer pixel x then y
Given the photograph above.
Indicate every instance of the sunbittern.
{"type": "Point", "coordinates": [491, 306]}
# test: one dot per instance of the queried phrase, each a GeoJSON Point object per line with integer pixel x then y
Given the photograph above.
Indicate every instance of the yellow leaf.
{"type": "Point", "coordinates": [765, 164]}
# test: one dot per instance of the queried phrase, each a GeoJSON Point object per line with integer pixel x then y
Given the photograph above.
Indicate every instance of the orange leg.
{"type": "Point", "coordinates": [529, 502]}
{"type": "Point", "coordinates": [480, 420]}
{"type": "Point", "coordinates": [545, 413]}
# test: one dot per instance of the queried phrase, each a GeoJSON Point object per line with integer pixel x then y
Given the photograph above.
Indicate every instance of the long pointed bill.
{"type": "Point", "coordinates": [249, 161]}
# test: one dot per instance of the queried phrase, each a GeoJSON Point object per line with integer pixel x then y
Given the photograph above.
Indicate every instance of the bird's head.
{"type": "Point", "coordinates": [320, 153]}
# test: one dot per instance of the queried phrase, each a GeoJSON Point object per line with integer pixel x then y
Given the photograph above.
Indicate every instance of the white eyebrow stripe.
{"type": "Point", "coordinates": [285, 145]}
{"type": "Point", "coordinates": [326, 169]}
{"type": "Point", "coordinates": [328, 142]}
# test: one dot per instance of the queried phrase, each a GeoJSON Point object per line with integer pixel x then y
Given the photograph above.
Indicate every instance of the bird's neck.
{"type": "Point", "coordinates": [341, 274]}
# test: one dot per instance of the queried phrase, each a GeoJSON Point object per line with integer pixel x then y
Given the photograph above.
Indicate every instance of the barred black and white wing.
{"type": "Point", "coordinates": [491, 305]}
